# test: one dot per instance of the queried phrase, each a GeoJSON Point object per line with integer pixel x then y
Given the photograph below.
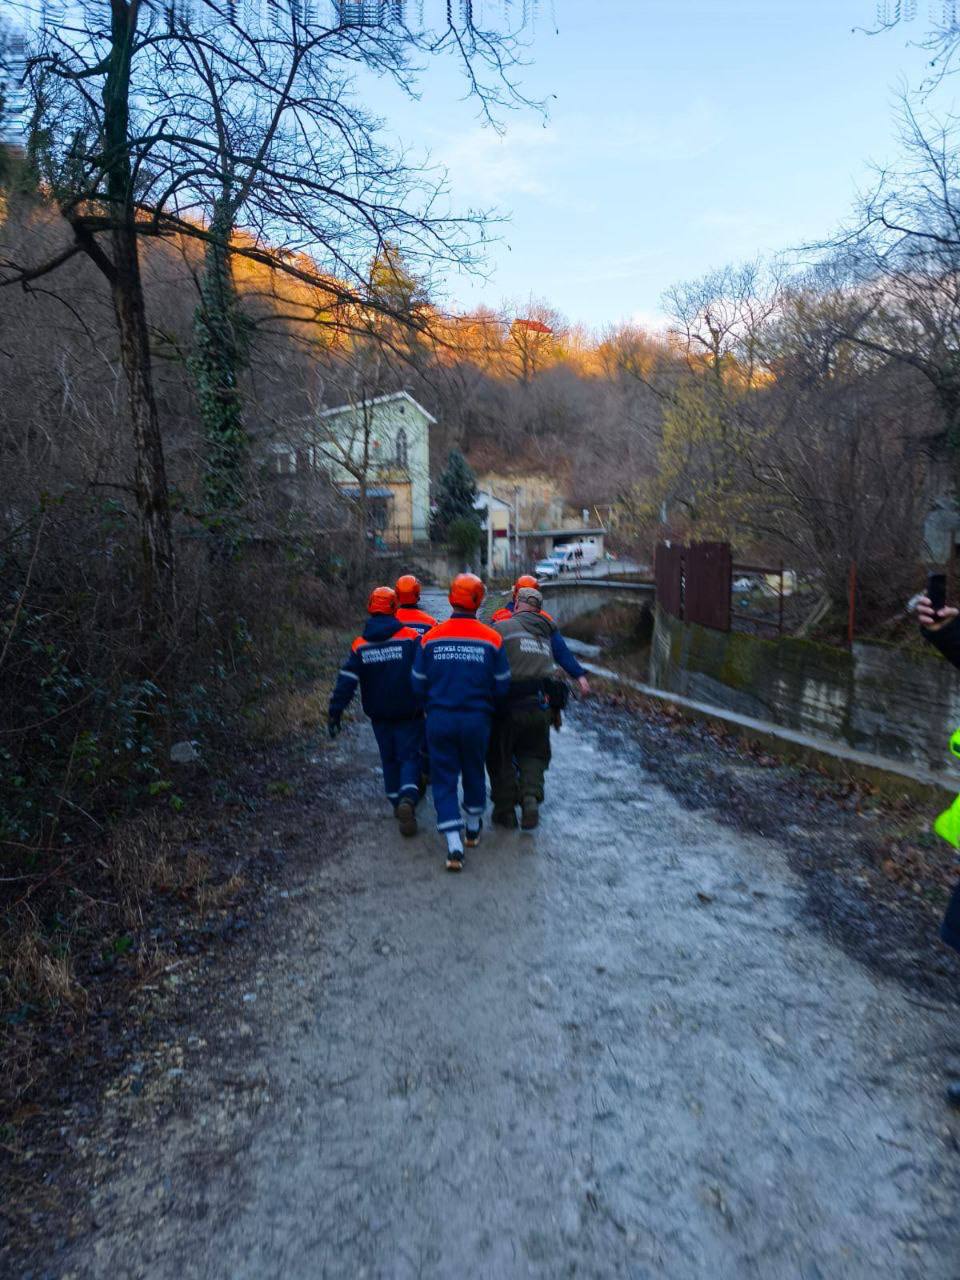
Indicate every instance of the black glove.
{"type": "Point", "coordinates": [333, 726]}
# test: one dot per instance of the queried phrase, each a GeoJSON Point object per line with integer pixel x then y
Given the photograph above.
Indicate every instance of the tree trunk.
{"type": "Point", "coordinates": [948, 393]}
{"type": "Point", "coordinates": [219, 357]}
{"type": "Point", "coordinates": [364, 531]}
{"type": "Point", "coordinates": [150, 479]}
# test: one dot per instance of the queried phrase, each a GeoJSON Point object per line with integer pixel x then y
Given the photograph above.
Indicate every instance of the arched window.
{"type": "Point", "coordinates": [401, 448]}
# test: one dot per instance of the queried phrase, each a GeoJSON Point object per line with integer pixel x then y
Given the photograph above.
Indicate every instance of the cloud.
{"type": "Point", "coordinates": [689, 133]}
{"type": "Point", "coordinates": [650, 321]}
{"type": "Point", "coordinates": [562, 163]}
{"type": "Point", "coordinates": [610, 267]}
{"type": "Point", "coordinates": [487, 166]}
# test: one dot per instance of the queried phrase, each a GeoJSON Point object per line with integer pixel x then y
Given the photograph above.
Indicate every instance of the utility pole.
{"type": "Point", "coordinates": [489, 498]}
{"type": "Point", "coordinates": [516, 530]}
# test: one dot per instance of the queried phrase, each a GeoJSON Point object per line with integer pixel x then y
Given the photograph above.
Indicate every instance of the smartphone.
{"type": "Point", "coordinates": [937, 590]}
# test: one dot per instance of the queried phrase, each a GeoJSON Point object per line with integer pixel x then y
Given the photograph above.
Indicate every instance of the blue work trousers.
{"type": "Point", "coordinates": [424, 755]}
{"type": "Point", "coordinates": [457, 742]}
{"type": "Point", "coordinates": [401, 749]}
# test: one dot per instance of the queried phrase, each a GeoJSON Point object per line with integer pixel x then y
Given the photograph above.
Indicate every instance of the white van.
{"type": "Point", "coordinates": [568, 558]}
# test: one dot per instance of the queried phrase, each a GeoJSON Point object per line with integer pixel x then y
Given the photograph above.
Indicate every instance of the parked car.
{"type": "Point", "coordinates": [567, 559]}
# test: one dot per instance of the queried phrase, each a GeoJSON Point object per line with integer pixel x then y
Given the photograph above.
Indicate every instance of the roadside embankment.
{"type": "Point", "coordinates": [826, 756]}
{"type": "Point", "coordinates": [102, 957]}
{"type": "Point", "coordinates": [878, 706]}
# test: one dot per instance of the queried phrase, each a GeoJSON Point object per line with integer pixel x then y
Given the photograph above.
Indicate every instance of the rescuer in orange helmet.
{"type": "Point", "coordinates": [525, 580]}
{"type": "Point", "coordinates": [380, 662]}
{"type": "Point", "coordinates": [408, 598]}
{"type": "Point", "coordinates": [408, 590]}
{"type": "Point", "coordinates": [460, 675]}
{"type": "Point", "coordinates": [519, 753]}
{"type": "Point", "coordinates": [558, 646]}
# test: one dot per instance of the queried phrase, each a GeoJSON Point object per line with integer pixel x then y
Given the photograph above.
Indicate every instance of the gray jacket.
{"type": "Point", "coordinates": [527, 640]}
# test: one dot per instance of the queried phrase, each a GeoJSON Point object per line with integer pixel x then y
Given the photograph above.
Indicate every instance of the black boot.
{"type": "Point", "coordinates": [529, 813]}
{"type": "Point", "coordinates": [407, 818]}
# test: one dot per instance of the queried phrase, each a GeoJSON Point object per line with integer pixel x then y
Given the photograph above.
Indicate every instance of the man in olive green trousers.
{"type": "Point", "coordinates": [519, 752]}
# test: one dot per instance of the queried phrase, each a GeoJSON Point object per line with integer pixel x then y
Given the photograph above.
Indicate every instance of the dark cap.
{"type": "Point", "coordinates": [530, 596]}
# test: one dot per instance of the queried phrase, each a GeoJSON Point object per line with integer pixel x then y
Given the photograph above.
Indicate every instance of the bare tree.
{"type": "Point", "coordinates": [263, 130]}
{"type": "Point", "coordinates": [346, 441]}
{"type": "Point", "coordinates": [166, 120]}
{"type": "Point", "coordinates": [837, 479]}
{"type": "Point", "coordinates": [83, 77]}
{"type": "Point", "coordinates": [898, 266]}
{"type": "Point", "coordinates": [534, 336]}
{"type": "Point", "coordinates": [941, 39]}
{"type": "Point", "coordinates": [711, 427]}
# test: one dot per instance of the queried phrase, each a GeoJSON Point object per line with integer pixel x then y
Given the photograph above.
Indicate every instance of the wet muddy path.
{"type": "Point", "coordinates": [616, 1047]}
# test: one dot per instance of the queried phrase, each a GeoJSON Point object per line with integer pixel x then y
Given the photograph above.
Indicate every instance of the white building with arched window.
{"type": "Point", "coordinates": [385, 443]}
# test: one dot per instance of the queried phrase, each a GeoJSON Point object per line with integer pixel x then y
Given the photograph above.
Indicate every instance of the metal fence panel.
{"type": "Point", "coordinates": [668, 571]}
{"type": "Point", "coordinates": [708, 575]}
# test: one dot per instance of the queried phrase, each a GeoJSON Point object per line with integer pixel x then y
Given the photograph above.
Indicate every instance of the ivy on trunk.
{"type": "Point", "coordinates": [220, 355]}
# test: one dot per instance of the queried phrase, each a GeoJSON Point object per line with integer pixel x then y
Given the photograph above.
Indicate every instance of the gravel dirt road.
{"type": "Point", "coordinates": [614, 1048]}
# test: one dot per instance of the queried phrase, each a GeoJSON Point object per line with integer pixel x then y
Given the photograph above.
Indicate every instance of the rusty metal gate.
{"type": "Point", "coordinates": [708, 574]}
{"type": "Point", "coordinates": [693, 583]}
{"type": "Point", "coordinates": [668, 572]}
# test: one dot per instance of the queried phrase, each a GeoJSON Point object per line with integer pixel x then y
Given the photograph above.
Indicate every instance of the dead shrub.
{"type": "Point", "coordinates": [142, 857]}
{"type": "Point", "coordinates": [292, 711]}
{"type": "Point", "coordinates": [322, 604]}
{"type": "Point", "coordinates": [216, 897]}
{"type": "Point", "coordinates": [40, 972]}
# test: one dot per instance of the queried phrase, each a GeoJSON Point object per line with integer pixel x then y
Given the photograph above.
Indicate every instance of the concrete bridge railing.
{"type": "Point", "coordinates": [566, 601]}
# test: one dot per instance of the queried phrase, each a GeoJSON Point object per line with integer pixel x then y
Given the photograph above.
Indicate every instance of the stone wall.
{"type": "Point", "coordinates": [565, 601]}
{"type": "Point", "coordinates": [433, 563]}
{"type": "Point", "coordinates": [875, 698]}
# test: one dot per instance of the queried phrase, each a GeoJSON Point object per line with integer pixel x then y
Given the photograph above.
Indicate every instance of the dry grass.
{"type": "Point", "coordinates": [119, 909]}
{"type": "Point", "coordinates": [155, 853]}
{"type": "Point", "coordinates": [214, 897]}
{"type": "Point", "coordinates": [142, 857]}
{"type": "Point", "coordinates": [292, 711]}
{"type": "Point", "coordinates": [151, 961]}
{"type": "Point", "coordinates": [41, 972]}
{"type": "Point", "coordinates": [303, 709]}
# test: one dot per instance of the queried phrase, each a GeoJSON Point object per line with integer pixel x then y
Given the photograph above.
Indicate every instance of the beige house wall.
{"type": "Point", "coordinates": [499, 520]}
{"type": "Point", "coordinates": [541, 500]}
{"type": "Point", "coordinates": [400, 507]}
{"type": "Point", "coordinates": [341, 429]}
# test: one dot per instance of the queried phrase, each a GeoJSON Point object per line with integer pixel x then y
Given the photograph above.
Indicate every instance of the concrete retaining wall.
{"type": "Point", "coordinates": [900, 705]}
{"type": "Point", "coordinates": [430, 562]}
{"type": "Point", "coordinates": [565, 601]}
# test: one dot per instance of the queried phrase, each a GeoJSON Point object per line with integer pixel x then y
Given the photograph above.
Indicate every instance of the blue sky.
{"type": "Point", "coordinates": [682, 134]}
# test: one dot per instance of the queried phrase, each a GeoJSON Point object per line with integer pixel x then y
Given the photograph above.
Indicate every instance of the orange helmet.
{"type": "Point", "coordinates": [408, 589]}
{"type": "Point", "coordinates": [382, 600]}
{"type": "Point", "coordinates": [525, 580]}
{"type": "Point", "coordinates": [467, 592]}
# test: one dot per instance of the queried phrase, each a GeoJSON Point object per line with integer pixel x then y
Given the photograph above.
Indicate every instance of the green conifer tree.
{"type": "Point", "coordinates": [456, 494]}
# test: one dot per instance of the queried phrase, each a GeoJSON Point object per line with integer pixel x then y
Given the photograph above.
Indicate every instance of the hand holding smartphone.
{"type": "Point", "coordinates": [933, 612]}
{"type": "Point", "coordinates": [937, 590]}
